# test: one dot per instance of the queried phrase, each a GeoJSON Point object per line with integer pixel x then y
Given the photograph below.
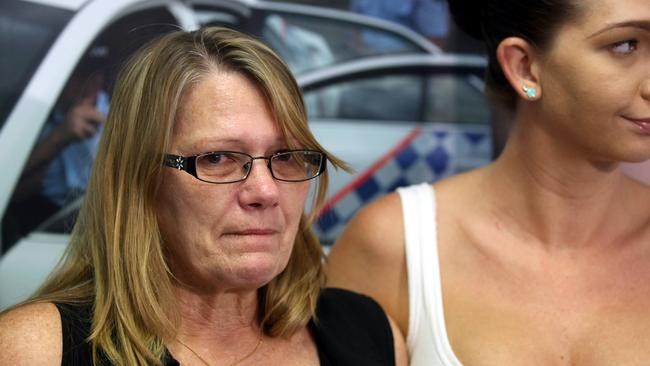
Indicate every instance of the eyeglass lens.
{"type": "Point", "coordinates": [222, 167]}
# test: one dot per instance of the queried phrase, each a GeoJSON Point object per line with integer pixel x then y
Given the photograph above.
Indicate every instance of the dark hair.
{"type": "Point", "coordinates": [492, 21]}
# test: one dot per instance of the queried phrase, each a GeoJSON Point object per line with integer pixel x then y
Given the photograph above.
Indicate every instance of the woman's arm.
{"type": "Point", "coordinates": [31, 335]}
{"type": "Point", "coordinates": [369, 258]}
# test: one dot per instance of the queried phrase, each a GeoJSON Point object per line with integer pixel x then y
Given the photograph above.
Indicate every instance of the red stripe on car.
{"type": "Point", "coordinates": [352, 186]}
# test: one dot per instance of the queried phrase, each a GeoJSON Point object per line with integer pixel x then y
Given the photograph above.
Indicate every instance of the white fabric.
{"type": "Point", "coordinates": [427, 340]}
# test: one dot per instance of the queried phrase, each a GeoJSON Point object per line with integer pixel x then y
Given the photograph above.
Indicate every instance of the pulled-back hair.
{"type": "Point", "coordinates": [492, 21]}
{"type": "Point", "coordinates": [116, 261]}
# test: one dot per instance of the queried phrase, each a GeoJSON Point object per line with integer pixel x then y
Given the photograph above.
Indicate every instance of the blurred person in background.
{"type": "Point", "coordinates": [427, 17]}
{"type": "Point", "coordinates": [58, 168]}
{"type": "Point", "coordinates": [542, 256]}
{"type": "Point", "coordinates": [192, 246]}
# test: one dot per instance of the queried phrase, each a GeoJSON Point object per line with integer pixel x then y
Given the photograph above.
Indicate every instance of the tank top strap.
{"type": "Point", "coordinates": [427, 339]}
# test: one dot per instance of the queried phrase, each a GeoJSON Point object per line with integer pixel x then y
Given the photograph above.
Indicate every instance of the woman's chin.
{"type": "Point", "coordinates": [257, 272]}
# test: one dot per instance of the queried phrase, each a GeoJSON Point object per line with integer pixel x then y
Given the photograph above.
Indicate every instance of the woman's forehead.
{"type": "Point", "coordinates": [224, 135]}
{"type": "Point", "coordinates": [227, 107]}
{"type": "Point", "coordinates": [605, 13]}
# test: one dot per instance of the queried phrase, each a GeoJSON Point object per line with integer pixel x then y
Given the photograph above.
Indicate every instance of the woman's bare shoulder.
{"type": "Point", "coordinates": [369, 257]}
{"type": "Point", "coordinates": [461, 184]}
{"type": "Point", "coordinates": [374, 238]}
{"type": "Point", "coordinates": [374, 234]}
{"type": "Point", "coordinates": [383, 215]}
{"type": "Point", "coordinates": [31, 335]}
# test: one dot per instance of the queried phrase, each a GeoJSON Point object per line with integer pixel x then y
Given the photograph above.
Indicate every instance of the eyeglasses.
{"type": "Point", "coordinates": [231, 166]}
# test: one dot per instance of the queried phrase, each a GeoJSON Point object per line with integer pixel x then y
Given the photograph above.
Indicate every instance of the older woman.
{"type": "Point", "coordinates": [541, 258]}
{"type": "Point", "coordinates": [192, 246]}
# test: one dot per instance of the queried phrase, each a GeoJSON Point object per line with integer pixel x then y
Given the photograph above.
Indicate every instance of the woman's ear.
{"type": "Point", "coordinates": [520, 65]}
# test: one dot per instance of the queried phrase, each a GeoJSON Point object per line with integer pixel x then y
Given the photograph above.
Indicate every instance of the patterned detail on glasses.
{"type": "Point", "coordinates": [232, 166]}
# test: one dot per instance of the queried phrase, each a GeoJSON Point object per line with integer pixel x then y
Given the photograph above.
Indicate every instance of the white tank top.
{"type": "Point", "coordinates": [427, 340]}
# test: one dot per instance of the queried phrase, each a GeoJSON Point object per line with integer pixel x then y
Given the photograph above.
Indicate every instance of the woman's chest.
{"type": "Point", "coordinates": [550, 314]}
{"type": "Point", "coordinates": [493, 335]}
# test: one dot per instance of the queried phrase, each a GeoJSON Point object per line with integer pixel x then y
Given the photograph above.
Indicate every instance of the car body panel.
{"type": "Point", "coordinates": [25, 266]}
{"type": "Point", "coordinates": [412, 154]}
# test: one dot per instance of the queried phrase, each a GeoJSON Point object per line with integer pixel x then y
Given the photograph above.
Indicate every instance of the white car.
{"type": "Point", "coordinates": [44, 41]}
{"type": "Point", "coordinates": [398, 120]}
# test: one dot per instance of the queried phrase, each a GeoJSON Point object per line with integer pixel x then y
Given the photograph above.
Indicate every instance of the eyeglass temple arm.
{"type": "Point", "coordinates": [181, 163]}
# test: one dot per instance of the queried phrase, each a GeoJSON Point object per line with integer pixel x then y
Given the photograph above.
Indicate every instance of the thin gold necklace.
{"type": "Point", "coordinates": [259, 342]}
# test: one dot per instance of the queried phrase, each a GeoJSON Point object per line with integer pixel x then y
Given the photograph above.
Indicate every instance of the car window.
{"type": "Point", "coordinates": [420, 97]}
{"type": "Point", "coordinates": [309, 42]}
{"type": "Point", "coordinates": [28, 30]}
{"type": "Point", "coordinates": [49, 192]}
{"type": "Point", "coordinates": [207, 15]}
{"type": "Point", "coordinates": [397, 97]}
{"type": "Point", "coordinates": [456, 98]}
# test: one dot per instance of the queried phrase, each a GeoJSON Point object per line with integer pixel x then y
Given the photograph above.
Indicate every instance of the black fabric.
{"type": "Point", "coordinates": [75, 327]}
{"type": "Point", "coordinates": [349, 330]}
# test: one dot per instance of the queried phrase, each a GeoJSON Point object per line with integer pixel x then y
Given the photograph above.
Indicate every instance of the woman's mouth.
{"type": "Point", "coordinates": [252, 232]}
{"type": "Point", "coordinates": [642, 123]}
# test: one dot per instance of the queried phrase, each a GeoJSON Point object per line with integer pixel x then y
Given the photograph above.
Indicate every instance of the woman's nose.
{"type": "Point", "coordinates": [260, 189]}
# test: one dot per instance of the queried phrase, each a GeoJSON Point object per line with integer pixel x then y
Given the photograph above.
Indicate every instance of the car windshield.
{"type": "Point", "coordinates": [309, 42]}
{"type": "Point", "coordinates": [28, 30]}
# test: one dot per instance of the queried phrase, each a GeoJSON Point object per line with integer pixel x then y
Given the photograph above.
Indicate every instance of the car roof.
{"type": "Point", "coordinates": [244, 7]}
{"type": "Point", "coordinates": [64, 4]}
{"type": "Point", "coordinates": [389, 62]}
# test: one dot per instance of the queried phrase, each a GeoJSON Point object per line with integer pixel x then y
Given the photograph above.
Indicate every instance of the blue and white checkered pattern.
{"type": "Point", "coordinates": [436, 152]}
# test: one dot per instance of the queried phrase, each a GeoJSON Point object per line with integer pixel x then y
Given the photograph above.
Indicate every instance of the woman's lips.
{"type": "Point", "coordinates": [253, 239]}
{"type": "Point", "coordinates": [643, 123]}
{"type": "Point", "coordinates": [252, 232]}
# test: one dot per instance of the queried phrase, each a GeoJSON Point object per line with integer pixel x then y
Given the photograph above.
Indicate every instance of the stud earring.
{"type": "Point", "coordinates": [530, 91]}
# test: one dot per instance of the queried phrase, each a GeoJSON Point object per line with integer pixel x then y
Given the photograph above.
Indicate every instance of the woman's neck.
{"type": "Point", "coordinates": [555, 193]}
{"type": "Point", "coordinates": [223, 314]}
{"type": "Point", "coordinates": [215, 327]}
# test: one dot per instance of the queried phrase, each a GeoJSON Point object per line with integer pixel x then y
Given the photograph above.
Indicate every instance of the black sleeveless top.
{"type": "Point", "coordinates": [351, 330]}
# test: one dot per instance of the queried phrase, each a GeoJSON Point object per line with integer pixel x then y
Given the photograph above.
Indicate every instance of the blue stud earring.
{"type": "Point", "coordinates": [531, 92]}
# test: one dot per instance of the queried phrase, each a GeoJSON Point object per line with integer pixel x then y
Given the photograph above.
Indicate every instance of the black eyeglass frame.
{"type": "Point", "coordinates": [188, 164]}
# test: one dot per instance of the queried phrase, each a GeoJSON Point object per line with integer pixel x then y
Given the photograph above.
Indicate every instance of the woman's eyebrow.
{"type": "Point", "coordinates": [208, 143]}
{"type": "Point", "coordinates": [641, 24]}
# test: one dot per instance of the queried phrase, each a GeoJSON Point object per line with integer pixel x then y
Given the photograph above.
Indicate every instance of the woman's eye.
{"type": "Point", "coordinates": [625, 47]}
{"type": "Point", "coordinates": [284, 157]}
{"type": "Point", "coordinates": [213, 158]}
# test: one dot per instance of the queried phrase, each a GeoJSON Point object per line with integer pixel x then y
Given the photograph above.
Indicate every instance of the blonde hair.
{"type": "Point", "coordinates": [115, 260]}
